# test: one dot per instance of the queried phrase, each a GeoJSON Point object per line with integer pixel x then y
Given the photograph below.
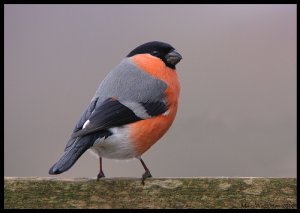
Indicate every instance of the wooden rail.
{"type": "Point", "coordinates": [202, 192]}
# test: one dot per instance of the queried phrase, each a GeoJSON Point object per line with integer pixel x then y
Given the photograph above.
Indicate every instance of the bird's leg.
{"type": "Point", "coordinates": [147, 173]}
{"type": "Point", "coordinates": [101, 174]}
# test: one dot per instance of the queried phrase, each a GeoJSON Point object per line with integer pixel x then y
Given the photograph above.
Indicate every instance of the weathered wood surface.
{"type": "Point", "coordinates": [202, 192]}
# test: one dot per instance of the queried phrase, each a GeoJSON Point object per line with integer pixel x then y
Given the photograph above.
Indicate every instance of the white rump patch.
{"type": "Point", "coordinates": [116, 146]}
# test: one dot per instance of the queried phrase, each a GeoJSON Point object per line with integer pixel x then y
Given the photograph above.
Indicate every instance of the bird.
{"type": "Point", "coordinates": [133, 107]}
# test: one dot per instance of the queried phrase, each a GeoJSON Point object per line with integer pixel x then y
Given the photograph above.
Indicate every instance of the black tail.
{"type": "Point", "coordinates": [72, 154]}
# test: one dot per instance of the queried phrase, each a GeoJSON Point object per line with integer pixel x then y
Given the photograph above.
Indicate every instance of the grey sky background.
{"type": "Point", "coordinates": [237, 112]}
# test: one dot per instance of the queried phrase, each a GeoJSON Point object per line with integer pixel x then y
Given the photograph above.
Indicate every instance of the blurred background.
{"type": "Point", "coordinates": [237, 110]}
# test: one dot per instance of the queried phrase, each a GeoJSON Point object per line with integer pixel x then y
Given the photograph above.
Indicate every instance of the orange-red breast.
{"type": "Point", "coordinates": [132, 109]}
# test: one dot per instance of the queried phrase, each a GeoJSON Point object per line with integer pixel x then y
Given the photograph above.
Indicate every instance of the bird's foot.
{"type": "Point", "coordinates": [100, 175]}
{"type": "Point", "coordinates": [146, 175]}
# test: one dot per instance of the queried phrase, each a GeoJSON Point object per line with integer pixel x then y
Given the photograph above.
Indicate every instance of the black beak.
{"type": "Point", "coordinates": [173, 57]}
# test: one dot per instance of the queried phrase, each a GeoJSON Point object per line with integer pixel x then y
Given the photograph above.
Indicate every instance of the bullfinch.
{"type": "Point", "coordinates": [132, 109]}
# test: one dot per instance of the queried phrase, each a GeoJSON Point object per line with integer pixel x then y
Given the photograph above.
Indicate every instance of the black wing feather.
{"type": "Point", "coordinates": [83, 118]}
{"type": "Point", "coordinates": [155, 108]}
{"type": "Point", "coordinates": [86, 115]}
{"type": "Point", "coordinates": [109, 114]}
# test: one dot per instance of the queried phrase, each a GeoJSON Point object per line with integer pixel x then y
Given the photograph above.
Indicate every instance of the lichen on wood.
{"type": "Point", "coordinates": [202, 192]}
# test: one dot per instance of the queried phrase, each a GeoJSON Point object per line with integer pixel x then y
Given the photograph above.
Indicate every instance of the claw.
{"type": "Point", "coordinates": [100, 175]}
{"type": "Point", "coordinates": [146, 175]}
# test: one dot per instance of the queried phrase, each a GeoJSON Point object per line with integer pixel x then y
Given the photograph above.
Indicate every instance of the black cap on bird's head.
{"type": "Point", "coordinates": [159, 49]}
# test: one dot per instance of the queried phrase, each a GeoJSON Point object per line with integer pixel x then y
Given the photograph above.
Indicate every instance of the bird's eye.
{"type": "Point", "coordinates": [155, 53]}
